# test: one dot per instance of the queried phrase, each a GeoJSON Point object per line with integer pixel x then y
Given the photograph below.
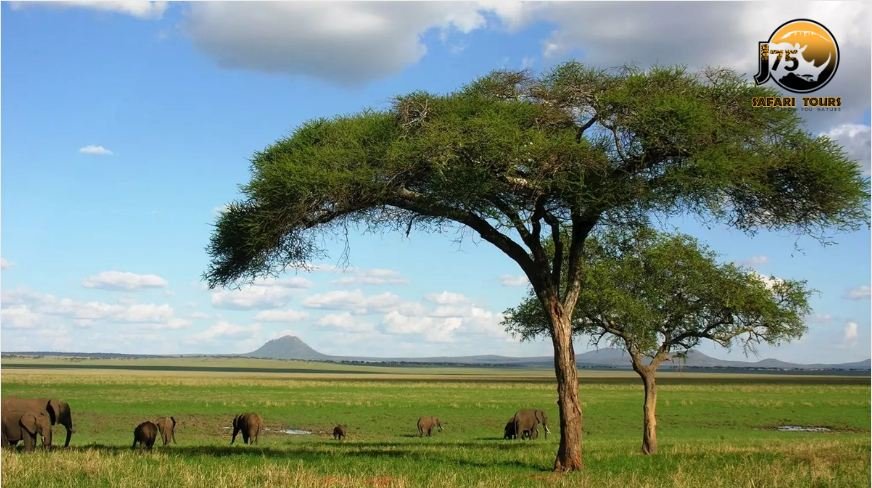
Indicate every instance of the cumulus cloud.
{"type": "Point", "coordinates": [514, 280]}
{"type": "Point", "coordinates": [850, 333]}
{"type": "Point", "coordinates": [136, 8]}
{"type": "Point", "coordinates": [94, 150]}
{"type": "Point", "coordinates": [30, 306]}
{"type": "Point", "coordinates": [19, 317]}
{"type": "Point", "coordinates": [859, 293]}
{"type": "Point", "coordinates": [374, 276]}
{"type": "Point", "coordinates": [346, 42]}
{"type": "Point", "coordinates": [354, 301]}
{"type": "Point", "coordinates": [281, 316]}
{"type": "Point", "coordinates": [346, 322]}
{"type": "Point", "coordinates": [224, 330]}
{"type": "Point", "coordinates": [447, 298]}
{"type": "Point", "coordinates": [855, 138]}
{"type": "Point", "coordinates": [264, 293]}
{"type": "Point", "coordinates": [123, 281]}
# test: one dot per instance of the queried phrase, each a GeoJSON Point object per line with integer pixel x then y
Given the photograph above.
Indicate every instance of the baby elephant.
{"type": "Point", "coordinates": [250, 425]}
{"type": "Point", "coordinates": [167, 427]}
{"type": "Point", "coordinates": [339, 432]}
{"type": "Point", "coordinates": [23, 426]}
{"type": "Point", "coordinates": [509, 430]}
{"type": "Point", "coordinates": [426, 424]}
{"type": "Point", "coordinates": [144, 434]}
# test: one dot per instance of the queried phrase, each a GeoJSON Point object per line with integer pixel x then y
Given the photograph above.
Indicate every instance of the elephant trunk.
{"type": "Point", "coordinates": [46, 437]}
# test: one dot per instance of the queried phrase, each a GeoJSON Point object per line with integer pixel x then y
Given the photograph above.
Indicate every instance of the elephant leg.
{"type": "Point", "coordinates": [29, 441]}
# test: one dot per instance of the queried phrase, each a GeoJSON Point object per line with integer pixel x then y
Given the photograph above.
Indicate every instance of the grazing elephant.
{"type": "Point", "coordinates": [339, 432]}
{"type": "Point", "coordinates": [250, 424]}
{"type": "Point", "coordinates": [167, 427]}
{"type": "Point", "coordinates": [426, 424]}
{"type": "Point", "coordinates": [144, 434]}
{"type": "Point", "coordinates": [509, 431]}
{"type": "Point", "coordinates": [527, 423]}
{"type": "Point", "coordinates": [18, 425]}
{"type": "Point", "coordinates": [58, 411]}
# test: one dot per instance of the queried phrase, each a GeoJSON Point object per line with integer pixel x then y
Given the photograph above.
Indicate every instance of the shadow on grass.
{"type": "Point", "coordinates": [328, 452]}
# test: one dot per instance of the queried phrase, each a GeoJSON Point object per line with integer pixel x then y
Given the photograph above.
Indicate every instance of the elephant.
{"type": "Point", "coordinates": [526, 422]}
{"type": "Point", "coordinates": [426, 424]}
{"type": "Point", "coordinates": [144, 434]}
{"type": "Point", "coordinates": [509, 431]}
{"type": "Point", "coordinates": [58, 411]}
{"type": "Point", "coordinates": [250, 424]}
{"type": "Point", "coordinates": [23, 425]}
{"type": "Point", "coordinates": [339, 432]}
{"type": "Point", "coordinates": [167, 428]}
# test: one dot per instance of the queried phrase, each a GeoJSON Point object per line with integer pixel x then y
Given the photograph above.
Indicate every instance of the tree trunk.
{"type": "Point", "coordinates": [569, 454]}
{"type": "Point", "coordinates": [649, 432]}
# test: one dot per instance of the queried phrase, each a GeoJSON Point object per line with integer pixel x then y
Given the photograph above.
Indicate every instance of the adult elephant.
{"type": "Point", "coordinates": [250, 424]}
{"type": "Point", "coordinates": [23, 425]}
{"type": "Point", "coordinates": [427, 424]}
{"type": "Point", "coordinates": [57, 410]}
{"type": "Point", "coordinates": [527, 423]}
{"type": "Point", "coordinates": [167, 427]}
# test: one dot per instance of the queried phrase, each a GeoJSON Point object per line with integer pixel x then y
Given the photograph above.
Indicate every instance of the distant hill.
{"type": "Point", "coordinates": [291, 347]}
{"type": "Point", "coordinates": [287, 347]}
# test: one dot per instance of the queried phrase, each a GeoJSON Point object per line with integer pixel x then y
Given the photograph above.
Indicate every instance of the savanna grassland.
{"type": "Point", "coordinates": [714, 429]}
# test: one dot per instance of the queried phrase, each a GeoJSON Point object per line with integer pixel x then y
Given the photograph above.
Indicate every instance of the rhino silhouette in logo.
{"type": "Point", "coordinates": [800, 67]}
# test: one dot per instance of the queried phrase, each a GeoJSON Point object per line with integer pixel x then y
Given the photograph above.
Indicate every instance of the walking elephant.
{"type": "Point", "coordinates": [144, 434]}
{"type": "Point", "coordinates": [58, 411]}
{"type": "Point", "coordinates": [527, 421]}
{"type": "Point", "coordinates": [339, 432]}
{"type": "Point", "coordinates": [426, 424]}
{"type": "Point", "coordinates": [18, 425]}
{"type": "Point", "coordinates": [167, 428]}
{"type": "Point", "coordinates": [250, 424]}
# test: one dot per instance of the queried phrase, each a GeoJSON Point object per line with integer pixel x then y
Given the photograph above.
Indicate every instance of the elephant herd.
{"type": "Point", "coordinates": [23, 419]}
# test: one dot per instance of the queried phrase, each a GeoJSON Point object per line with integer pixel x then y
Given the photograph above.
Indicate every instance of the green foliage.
{"type": "Point", "coordinates": [652, 292]}
{"type": "Point", "coordinates": [573, 146]}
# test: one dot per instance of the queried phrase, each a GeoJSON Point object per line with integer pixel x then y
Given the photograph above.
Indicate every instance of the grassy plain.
{"type": "Point", "coordinates": [714, 429]}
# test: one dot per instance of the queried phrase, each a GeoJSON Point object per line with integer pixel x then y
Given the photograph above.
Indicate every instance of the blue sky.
{"type": "Point", "coordinates": [126, 128]}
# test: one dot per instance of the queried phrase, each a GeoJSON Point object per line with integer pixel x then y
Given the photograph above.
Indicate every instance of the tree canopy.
{"type": "Point", "coordinates": [659, 295]}
{"type": "Point", "coordinates": [526, 161]}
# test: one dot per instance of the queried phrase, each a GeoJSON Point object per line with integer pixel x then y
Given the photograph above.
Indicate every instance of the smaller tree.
{"type": "Point", "coordinates": [659, 295]}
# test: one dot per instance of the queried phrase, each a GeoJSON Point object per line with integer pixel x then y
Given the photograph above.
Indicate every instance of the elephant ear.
{"type": "Point", "coordinates": [54, 409]}
{"type": "Point", "coordinates": [28, 422]}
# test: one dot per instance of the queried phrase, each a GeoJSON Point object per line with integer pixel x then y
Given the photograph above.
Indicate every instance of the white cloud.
{"type": "Point", "coordinates": [281, 316]}
{"type": "Point", "coordinates": [446, 298]}
{"type": "Point", "coordinates": [264, 293]}
{"type": "Point", "coordinates": [4, 264]}
{"type": "Point", "coordinates": [223, 331]}
{"type": "Point", "coordinates": [347, 42]}
{"type": "Point", "coordinates": [374, 276]}
{"type": "Point", "coordinates": [95, 150]}
{"type": "Point", "coordinates": [30, 306]}
{"type": "Point", "coordinates": [136, 8]}
{"type": "Point", "coordinates": [19, 317]}
{"type": "Point", "coordinates": [859, 293]}
{"type": "Point", "coordinates": [354, 301]}
{"type": "Point", "coordinates": [514, 280]}
{"type": "Point", "coordinates": [856, 140]}
{"type": "Point", "coordinates": [119, 280]}
{"type": "Point", "coordinates": [346, 322]}
{"type": "Point", "coordinates": [850, 333]}
{"type": "Point", "coordinates": [433, 329]}
{"type": "Point", "coordinates": [456, 319]}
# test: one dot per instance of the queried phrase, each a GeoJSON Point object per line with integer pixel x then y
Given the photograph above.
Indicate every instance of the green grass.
{"type": "Point", "coordinates": [714, 430]}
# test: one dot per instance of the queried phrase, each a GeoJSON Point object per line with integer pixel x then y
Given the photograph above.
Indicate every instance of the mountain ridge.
{"type": "Point", "coordinates": [292, 347]}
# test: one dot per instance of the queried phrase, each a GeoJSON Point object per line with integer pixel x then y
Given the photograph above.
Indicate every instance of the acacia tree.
{"type": "Point", "coordinates": [658, 296]}
{"type": "Point", "coordinates": [523, 161]}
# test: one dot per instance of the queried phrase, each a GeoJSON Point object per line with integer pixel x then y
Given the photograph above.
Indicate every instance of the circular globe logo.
{"type": "Point", "coordinates": [800, 56]}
